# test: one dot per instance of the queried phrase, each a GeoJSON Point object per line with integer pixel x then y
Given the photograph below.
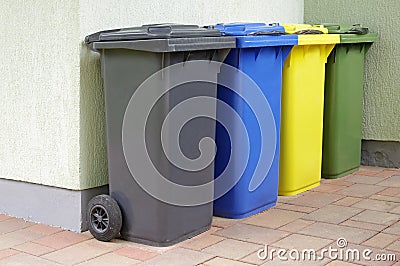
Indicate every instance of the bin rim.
{"type": "Point", "coordinates": [317, 39]}
{"type": "Point", "coordinates": [249, 28]}
{"type": "Point", "coordinates": [299, 28]}
{"type": "Point", "coordinates": [266, 41]}
{"type": "Point", "coordinates": [355, 38]}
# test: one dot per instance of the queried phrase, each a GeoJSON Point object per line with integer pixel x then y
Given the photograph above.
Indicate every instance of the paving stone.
{"type": "Point", "coordinates": [334, 232]}
{"type": "Point", "coordinates": [61, 240]}
{"type": "Point", "coordinates": [301, 242]}
{"type": "Point", "coordinates": [296, 208]}
{"type": "Point", "coordinates": [276, 261]}
{"type": "Point", "coordinates": [395, 210]}
{"type": "Point", "coordinates": [253, 259]}
{"type": "Point", "coordinates": [362, 179]}
{"type": "Point", "coordinates": [395, 246]}
{"type": "Point", "coordinates": [224, 262]}
{"type": "Point", "coordinates": [251, 233]}
{"type": "Point", "coordinates": [81, 252]}
{"type": "Point", "coordinates": [376, 205]}
{"type": "Point", "coordinates": [232, 249]}
{"type": "Point", "coordinates": [23, 259]}
{"type": "Point", "coordinates": [10, 225]}
{"type": "Point", "coordinates": [385, 198]}
{"type": "Point", "coordinates": [390, 191]}
{"type": "Point", "coordinates": [347, 201]}
{"type": "Point", "coordinates": [44, 229]}
{"type": "Point", "coordinates": [296, 226]}
{"type": "Point", "coordinates": [364, 225]}
{"type": "Point", "coordinates": [201, 243]}
{"type": "Point", "coordinates": [361, 190]}
{"type": "Point", "coordinates": [393, 181]}
{"type": "Point", "coordinates": [340, 263]}
{"type": "Point", "coordinates": [136, 253]}
{"type": "Point", "coordinates": [387, 173]}
{"type": "Point", "coordinates": [374, 169]}
{"type": "Point", "coordinates": [363, 260]}
{"type": "Point", "coordinates": [381, 240]}
{"type": "Point", "coordinates": [338, 182]}
{"type": "Point", "coordinates": [376, 217]}
{"type": "Point", "coordinates": [329, 188]}
{"type": "Point", "coordinates": [332, 214]}
{"type": "Point", "coordinates": [109, 259]}
{"type": "Point", "coordinates": [274, 218]}
{"type": "Point", "coordinates": [222, 222]}
{"type": "Point", "coordinates": [364, 173]}
{"type": "Point", "coordinates": [316, 199]}
{"type": "Point", "coordinates": [393, 229]}
{"type": "Point", "coordinates": [286, 199]}
{"type": "Point", "coordinates": [179, 257]}
{"type": "Point", "coordinates": [33, 249]}
{"type": "Point", "coordinates": [4, 217]}
{"type": "Point", "coordinates": [17, 238]}
{"type": "Point", "coordinates": [4, 253]}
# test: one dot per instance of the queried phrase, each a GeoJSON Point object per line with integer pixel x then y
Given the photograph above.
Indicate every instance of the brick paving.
{"type": "Point", "coordinates": [363, 208]}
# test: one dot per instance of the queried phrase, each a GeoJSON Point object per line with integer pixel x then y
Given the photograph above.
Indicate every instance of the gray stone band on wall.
{"type": "Point", "coordinates": [381, 153]}
{"type": "Point", "coordinates": [47, 205]}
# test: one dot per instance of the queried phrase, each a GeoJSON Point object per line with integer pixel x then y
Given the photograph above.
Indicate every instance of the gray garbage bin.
{"type": "Point", "coordinates": [129, 57]}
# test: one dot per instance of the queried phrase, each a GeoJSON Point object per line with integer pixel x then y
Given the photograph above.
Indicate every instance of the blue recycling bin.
{"type": "Point", "coordinates": [260, 53]}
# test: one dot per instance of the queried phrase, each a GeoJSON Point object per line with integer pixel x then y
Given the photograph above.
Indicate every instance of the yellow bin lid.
{"type": "Point", "coordinates": [311, 34]}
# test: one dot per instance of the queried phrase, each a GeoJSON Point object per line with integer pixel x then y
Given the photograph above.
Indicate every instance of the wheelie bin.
{"type": "Point", "coordinates": [302, 108]}
{"type": "Point", "coordinates": [139, 64]}
{"type": "Point", "coordinates": [341, 153]}
{"type": "Point", "coordinates": [260, 53]}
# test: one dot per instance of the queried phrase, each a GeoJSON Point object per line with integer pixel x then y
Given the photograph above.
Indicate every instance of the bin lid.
{"type": "Point", "coordinates": [311, 34]}
{"type": "Point", "coordinates": [240, 29]}
{"type": "Point", "coordinates": [252, 35]}
{"type": "Point", "coordinates": [351, 33]}
{"type": "Point", "coordinates": [304, 29]}
{"type": "Point", "coordinates": [152, 31]}
{"type": "Point", "coordinates": [166, 37]}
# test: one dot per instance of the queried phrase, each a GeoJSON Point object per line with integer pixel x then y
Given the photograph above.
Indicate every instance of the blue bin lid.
{"type": "Point", "coordinates": [257, 34]}
{"type": "Point", "coordinates": [240, 29]}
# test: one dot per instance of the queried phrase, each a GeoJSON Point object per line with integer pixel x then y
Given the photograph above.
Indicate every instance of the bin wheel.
{"type": "Point", "coordinates": [104, 218]}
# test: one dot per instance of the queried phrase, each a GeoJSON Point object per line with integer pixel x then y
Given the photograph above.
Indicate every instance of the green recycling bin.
{"type": "Point", "coordinates": [343, 100]}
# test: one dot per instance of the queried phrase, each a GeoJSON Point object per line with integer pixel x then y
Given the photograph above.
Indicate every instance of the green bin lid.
{"type": "Point", "coordinates": [351, 33]}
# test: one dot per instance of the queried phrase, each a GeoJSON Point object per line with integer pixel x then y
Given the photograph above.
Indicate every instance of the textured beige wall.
{"type": "Point", "coordinates": [39, 92]}
{"type": "Point", "coordinates": [381, 90]}
{"type": "Point", "coordinates": [52, 118]}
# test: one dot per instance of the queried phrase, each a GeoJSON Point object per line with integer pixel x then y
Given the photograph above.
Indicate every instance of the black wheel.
{"type": "Point", "coordinates": [104, 218]}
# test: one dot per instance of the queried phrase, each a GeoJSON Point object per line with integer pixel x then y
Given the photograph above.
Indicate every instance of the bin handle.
{"type": "Point", "coordinates": [309, 31]}
{"type": "Point", "coordinates": [163, 29]}
{"type": "Point", "coordinates": [271, 33]}
{"type": "Point", "coordinates": [358, 30]}
{"type": "Point", "coordinates": [274, 24]}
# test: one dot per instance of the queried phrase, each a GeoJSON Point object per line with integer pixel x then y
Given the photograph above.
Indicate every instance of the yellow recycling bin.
{"type": "Point", "coordinates": [302, 108]}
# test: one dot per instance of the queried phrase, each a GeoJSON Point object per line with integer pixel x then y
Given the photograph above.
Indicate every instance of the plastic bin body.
{"type": "Point", "coordinates": [124, 67]}
{"type": "Point", "coordinates": [343, 103]}
{"type": "Point", "coordinates": [261, 58]}
{"type": "Point", "coordinates": [302, 113]}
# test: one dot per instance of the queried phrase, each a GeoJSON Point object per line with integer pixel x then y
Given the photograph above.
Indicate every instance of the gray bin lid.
{"type": "Point", "coordinates": [160, 38]}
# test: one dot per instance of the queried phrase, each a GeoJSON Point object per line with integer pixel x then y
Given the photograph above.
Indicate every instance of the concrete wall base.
{"type": "Point", "coordinates": [47, 205]}
{"type": "Point", "coordinates": [381, 153]}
